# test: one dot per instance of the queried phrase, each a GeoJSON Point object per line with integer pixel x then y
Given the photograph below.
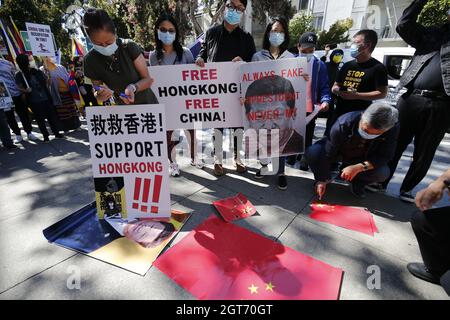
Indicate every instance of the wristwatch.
{"type": "Point", "coordinates": [365, 166]}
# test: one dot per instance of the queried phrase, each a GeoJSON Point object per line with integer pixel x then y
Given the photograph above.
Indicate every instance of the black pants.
{"type": "Point", "coordinates": [310, 128]}
{"type": "Point", "coordinates": [42, 111]}
{"type": "Point", "coordinates": [433, 235]}
{"type": "Point", "coordinates": [24, 116]}
{"type": "Point", "coordinates": [426, 120]}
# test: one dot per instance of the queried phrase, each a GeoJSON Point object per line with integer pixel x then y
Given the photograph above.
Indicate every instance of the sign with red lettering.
{"type": "Point", "coordinates": [129, 161]}
{"type": "Point", "coordinates": [208, 95]}
{"type": "Point", "coordinates": [274, 107]}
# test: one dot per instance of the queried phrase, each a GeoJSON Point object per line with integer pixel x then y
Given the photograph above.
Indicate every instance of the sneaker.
{"type": "Point", "coordinates": [32, 137]}
{"type": "Point", "coordinates": [357, 190]}
{"type": "Point", "coordinates": [240, 167]}
{"type": "Point", "coordinates": [407, 197]}
{"type": "Point", "coordinates": [259, 175]}
{"type": "Point", "coordinates": [19, 138]}
{"type": "Point", "coordinates": [375, 187]}
{"type": "Point", "coordinates": [218, 170]}
{"type": "Point", "coordinates": [282, 182]}
{"type": "Point", "coordinates": [419, 270]}
{"type": "Point", "coordinates": [291, 160]}
{"type": "Point", "coordinates": [304, 164]}
{"type": "Point", "coordinates": [199, 164]}
{"type": "Point", "coordinates": [173, 170]}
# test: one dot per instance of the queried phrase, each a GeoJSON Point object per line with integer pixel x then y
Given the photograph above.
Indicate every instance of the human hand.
{"type": "Point", "coordinates": [200, 62]}
{"type": "Point", "coordinates": [237, 59]}
{"type": "Point", "coordinates": [306, 77]}
{"type": "Point", "coordinates": [103, 94]}
{"type": "Point", "coordinates": [320, 189]}
{"type": "Point", "coordinates": [429, 196]}
{"type": "Point", "coordinates": [350, 172]}
{"type": "Point", "coordinates": [324, 107]}
{"type": "Point", "coordinates": [128, 96]}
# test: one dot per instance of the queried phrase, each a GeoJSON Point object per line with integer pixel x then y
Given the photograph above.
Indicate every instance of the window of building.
{"type": "Point", "coordinates": [318, 21]}
{"type": "Point", "coordinates": [303, 4]}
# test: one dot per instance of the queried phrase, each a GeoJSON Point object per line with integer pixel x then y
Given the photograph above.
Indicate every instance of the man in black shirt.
{"type": "Point", "coordinates": [360, 81]}
{"type": "Point", "coordinates": [228, 42]}
{"type": "Point", "coordinates": [424, 112]}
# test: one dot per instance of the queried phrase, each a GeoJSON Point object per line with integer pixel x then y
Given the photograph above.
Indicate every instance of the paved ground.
{"type": "Point", "coordinates": [43, 182]}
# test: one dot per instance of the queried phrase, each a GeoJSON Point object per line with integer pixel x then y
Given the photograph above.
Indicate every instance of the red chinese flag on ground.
{"type": "Point", "coordinates": [235, 208]}
{"type": "Point", "coordinates": [353, 218]}
{"type": "Point", "coordinates": [220, 260]}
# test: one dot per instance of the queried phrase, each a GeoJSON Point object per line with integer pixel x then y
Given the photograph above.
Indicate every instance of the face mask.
{"type": "Point", "coordinates": [367, 136]}
{"type": "Point", "coordinates": [337, 59]}
{"type": "Point", "coordinates": [33, 64]}
{"type": "Point", "coordinates": [233, 16]}
{"type": "Point", "coordinates": [106, 51]}
{"type": "Point", "coordinates": [308, 56]}
{"type": "Point", "coordinates": [167, 37]}
{"type": "Point", "coordinates": [354, 51]}
{"type": "Point", "coordinates": [276, 38]}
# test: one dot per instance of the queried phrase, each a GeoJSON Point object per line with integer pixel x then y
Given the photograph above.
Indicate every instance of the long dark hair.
{"type": "Point", "coordinates": [98, 19]}
{"type": "Point", "coordinates": [284, 46]}
{"type": "Point", "coordinates": [176, 44]}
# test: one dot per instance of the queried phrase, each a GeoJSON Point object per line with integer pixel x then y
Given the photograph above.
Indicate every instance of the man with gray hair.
{"type": "Point", "coordinates": [364, 141]}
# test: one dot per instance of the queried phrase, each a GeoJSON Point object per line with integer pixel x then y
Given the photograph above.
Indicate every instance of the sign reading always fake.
{"type": "Point", "coordinates": [41, 40]}
{"type": "Point", "coordinates": [129, 161]}
{"type": "Point", "coordinates": [209, 95]}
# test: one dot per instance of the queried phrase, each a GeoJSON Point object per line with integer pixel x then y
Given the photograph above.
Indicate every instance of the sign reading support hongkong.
{"type": "Point", "coordinates": [274, 109]}
{"type": "Point", "coordinates": [209, 95]}
{"type": "Point", "coordinates": [129, 161]}
{"type": "Point", "coordinates": [41, 41]}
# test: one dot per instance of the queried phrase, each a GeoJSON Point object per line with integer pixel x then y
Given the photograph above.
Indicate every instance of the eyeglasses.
{"type": "Point", "coordinates": [231, 6]}
{"type": "Point", "coordinates": [164, 30]}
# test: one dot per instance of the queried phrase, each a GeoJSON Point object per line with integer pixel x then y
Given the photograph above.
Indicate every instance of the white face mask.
{"type": "Point", "coordinates": [106, 51]}
{"type": "Point", "coordinates": [308, 56]}
{"type": "Point", "coordinates": [33, 64]}
{"type": "Point", "coordinates": [367, 136]}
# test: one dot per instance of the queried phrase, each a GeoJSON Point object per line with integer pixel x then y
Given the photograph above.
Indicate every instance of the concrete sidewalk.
{"type": "Point", "coordinates": [44, 182]}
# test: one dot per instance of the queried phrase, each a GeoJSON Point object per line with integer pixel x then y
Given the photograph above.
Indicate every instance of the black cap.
{"type": "Point", "coordinates": [308, 40]}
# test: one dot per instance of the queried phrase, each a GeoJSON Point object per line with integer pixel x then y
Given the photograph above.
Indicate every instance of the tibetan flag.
{"type": "Point", "coordinates": [77, 49]}
{"type": "Point", "coordinates": [235, 208]}
{"type": "Point", "coordinates": [11, 49]}
{"type": "Point", "coordinates": [353, 218]}
{"type": "Point", "coordinates": [17, 36]}
{"type": "Point", "coordinates": [222, 261]}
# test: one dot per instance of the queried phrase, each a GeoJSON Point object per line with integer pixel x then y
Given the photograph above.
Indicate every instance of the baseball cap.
{"type": "Point", "coordinates": [308, 40]}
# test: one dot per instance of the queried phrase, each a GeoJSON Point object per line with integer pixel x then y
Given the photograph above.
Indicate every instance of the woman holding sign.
{"type": "Point", "coordinates": [275, 45]}
{"type": "Point", "coordinates": [170, 52]}
{"type": "Point", "coordinates": [117, 63]}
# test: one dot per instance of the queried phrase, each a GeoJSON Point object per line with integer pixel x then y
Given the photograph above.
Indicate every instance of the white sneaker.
{"type": "Point", "coordinates": [199, 164]}
{"type": "Point", "coordinates": [19, 138]}
{"type": "Point", "coordinates": [173, 170]}
{"type": "Point", "coordinates": [31, 136]}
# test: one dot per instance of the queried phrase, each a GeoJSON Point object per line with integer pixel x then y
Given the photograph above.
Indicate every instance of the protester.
{"type": "Point", "coordinates": [275, 44]}
{"type": "Point", "coordinates": [431, 230]}
{"type": "Point", "coordinates": [170, 52]}
{"type": "Point", "coordinates": [424, 108]}
{"type": "Point", "coordinates": [84, 85]}
{"type": "Point", "coordinates": [66, 109]}
{"type": "Point", "coordinates": [360, 81]}
{"type": "Point", "coordinates": [34, 84]}
{"type": "Point", "coordinates": [333, 67]}
{"type": "Point", "coordinates": [365, 142]}
{"type": "Point", "coordinates": [228, 42]}
{"type": "Point", "coordinates": [7, 75]}
{"type": "Point", "coordinates": [5, 134]}
{"type": "Point", "coordinates": [117, 63]}
{"type": "Point", "coordinates": [318, 91]}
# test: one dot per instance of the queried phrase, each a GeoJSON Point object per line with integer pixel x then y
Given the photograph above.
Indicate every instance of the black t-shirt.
{"type": "Point", "coordinates": [364, 77]}
{"type": "Point", "coordinates": [229, 47]}
{"type": "Point", "coordinates": [430, 77]}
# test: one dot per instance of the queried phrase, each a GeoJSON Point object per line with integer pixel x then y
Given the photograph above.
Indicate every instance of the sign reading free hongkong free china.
{"type": "Point", "coordinates": [192, 95]}
{"type": "Point", "coordinates": [129, 161]}
{"type": "Point", "coordinates": [41, 40]}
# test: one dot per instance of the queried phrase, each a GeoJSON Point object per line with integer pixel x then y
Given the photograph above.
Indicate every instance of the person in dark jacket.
{"type": "Point", "coordinates": [34, 84]}
{"type": "Point", "coordinates": [424, 110]}
{"type": "Point", "coordinates": [228, 42]}
{"type": "Point", "coordinates": [364, 141]}
{"type": "Point", "coordinates": [333, 66]}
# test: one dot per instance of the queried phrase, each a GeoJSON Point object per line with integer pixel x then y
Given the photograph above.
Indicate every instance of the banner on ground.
{"type": "Point", "coordinates": [209, 95]}
{"type": "Point", "coordinates": [41, 40]}
{"type": "Point", "coordinates": [129, 161]}
{"type": "Point", "coordinates": [274, 110]}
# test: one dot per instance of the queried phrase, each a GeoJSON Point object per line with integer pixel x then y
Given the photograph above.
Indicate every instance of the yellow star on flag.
{"type": "Point", "coordinates": [247, 210]}
{"type": "Point", "coordinates": [321, 206]}
{"type": "Point", "coordinates": [253, 289]}
{"type": "Point", "coordinates": [270, 286]}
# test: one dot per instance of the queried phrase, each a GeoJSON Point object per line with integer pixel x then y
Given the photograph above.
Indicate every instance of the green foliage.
{"type": "Point", "coordinates": [434, 13]}
{"type": "Point", "coordinates": [298, 25]}
{"type": "Point", "coordinates": [272, 8]}
{"type": "Point", "coordinates": [336, 34]}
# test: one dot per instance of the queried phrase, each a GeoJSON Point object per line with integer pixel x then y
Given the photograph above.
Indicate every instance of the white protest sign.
{"type": "Point", "coordinates": [129, 161]}
{"type": "Point", "coordinates": [274, 109]}
{"type": "Point", "coordinates": [209, 95]}
{"type": "Point", "coordinates": [41, 41]}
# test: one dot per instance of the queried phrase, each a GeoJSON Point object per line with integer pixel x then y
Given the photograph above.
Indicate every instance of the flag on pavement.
{"type": "Point", "coordinates": [235, 208]}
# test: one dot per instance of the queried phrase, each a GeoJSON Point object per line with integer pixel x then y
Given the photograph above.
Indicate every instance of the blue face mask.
{"type": "Point", "coordinates": [367, 136]}
{"type": "Point", "coordinates": [276, 39]}
{"type": "Point", "coordinates": [233, 16]}
{"type": "Point", "coordinates": [354, 51]}
{"type": "Point", "coordinates": [308, 56]}
{"type": "Point", "coordinates": [106, 51]}
{"type": "Point", "coordinates": [167, 37]}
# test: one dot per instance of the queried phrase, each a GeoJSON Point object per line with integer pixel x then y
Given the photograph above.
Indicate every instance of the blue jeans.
{"type": "Point", "coordinates": [320, 166]}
